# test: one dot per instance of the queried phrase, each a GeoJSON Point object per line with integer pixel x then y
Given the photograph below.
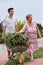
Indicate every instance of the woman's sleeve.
{"type": "Point", "coordinates": [23, 29]}
{"type": "Point", "coordinates": [37, 27]}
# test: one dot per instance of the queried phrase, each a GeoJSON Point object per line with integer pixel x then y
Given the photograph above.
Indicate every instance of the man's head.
{"type": "Point", "coordinates": [11, 11]}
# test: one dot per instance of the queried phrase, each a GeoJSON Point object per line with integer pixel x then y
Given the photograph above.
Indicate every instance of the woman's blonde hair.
{"type": "Point", "coordinates": [28, 15]}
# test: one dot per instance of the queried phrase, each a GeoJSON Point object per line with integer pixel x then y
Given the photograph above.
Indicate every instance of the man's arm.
{"type": "Point", "coordinates": [4, 23]}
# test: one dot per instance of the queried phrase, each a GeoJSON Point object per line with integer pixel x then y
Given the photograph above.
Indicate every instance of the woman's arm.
{"type": "Point", "coordinates": [39, 33]}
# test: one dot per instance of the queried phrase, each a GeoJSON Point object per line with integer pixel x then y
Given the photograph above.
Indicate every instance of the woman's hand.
{"type": "Point", "coordinates": [39, 33]}
{"type": "Point", "coordinates": [40, 36]}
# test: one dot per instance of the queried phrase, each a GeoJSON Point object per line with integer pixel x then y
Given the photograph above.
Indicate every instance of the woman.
{"type": "Point", "coordinates": [31, 28]}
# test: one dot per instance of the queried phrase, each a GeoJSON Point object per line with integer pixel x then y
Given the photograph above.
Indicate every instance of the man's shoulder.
{"type": "Point", "coordinates": [14, 19]}
{"type": "Point", "coordinates": [5, 19]}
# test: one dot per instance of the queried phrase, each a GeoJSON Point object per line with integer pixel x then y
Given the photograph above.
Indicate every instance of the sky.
{"type": "Point", "coordinates": [22, 8]}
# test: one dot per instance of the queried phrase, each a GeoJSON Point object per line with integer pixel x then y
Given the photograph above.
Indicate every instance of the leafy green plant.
{"type": "Point", "coordinates": [18, 39]}
{"type": "Point", "coordinates": [19, 25]}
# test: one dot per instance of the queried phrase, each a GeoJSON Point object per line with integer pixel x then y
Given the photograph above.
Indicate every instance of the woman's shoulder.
{"type": "Point", "coordinates": [35, 23]}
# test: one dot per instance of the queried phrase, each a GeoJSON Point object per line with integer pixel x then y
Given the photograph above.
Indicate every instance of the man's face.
{"type": "Point", "coordinates": [11, 13]}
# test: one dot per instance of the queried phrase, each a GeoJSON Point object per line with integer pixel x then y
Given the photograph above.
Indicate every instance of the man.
{"type": "Point", "coordinates": [9, 24]}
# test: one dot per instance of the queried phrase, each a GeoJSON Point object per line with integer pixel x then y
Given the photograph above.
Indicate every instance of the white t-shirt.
{"type": "Point", "coordinates": [10, 25]}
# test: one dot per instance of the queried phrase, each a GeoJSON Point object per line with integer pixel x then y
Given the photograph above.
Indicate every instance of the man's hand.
{"type": "Point", "coordinates": [4, 28]}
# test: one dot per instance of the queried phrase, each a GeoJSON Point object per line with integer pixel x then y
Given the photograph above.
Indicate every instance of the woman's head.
{"type": "Point", "coordinates": [29, 17]}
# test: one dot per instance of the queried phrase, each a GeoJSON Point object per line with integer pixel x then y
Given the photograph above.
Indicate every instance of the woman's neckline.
{"type": "Point", "coordinates": [30, 25]}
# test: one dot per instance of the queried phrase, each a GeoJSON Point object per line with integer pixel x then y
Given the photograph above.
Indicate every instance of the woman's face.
{"type": "Point", "coordinates": [30, 19]}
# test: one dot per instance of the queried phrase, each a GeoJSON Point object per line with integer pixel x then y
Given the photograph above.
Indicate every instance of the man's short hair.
{"type": "Point", "coordinates": [10, 9]}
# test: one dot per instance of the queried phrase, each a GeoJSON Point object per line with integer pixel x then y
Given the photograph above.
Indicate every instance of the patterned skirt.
{"type": "Point", "coordinates": [33, 46]}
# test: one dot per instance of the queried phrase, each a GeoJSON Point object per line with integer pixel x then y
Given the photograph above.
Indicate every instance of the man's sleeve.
{"type": "Point", "coordinates": [4, 23]}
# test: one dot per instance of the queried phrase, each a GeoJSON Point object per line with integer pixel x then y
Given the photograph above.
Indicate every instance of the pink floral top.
{"type": "Point", "coordinates": [30, 30]}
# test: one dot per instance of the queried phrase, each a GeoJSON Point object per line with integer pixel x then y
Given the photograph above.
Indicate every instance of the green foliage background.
{"type": "Point", "coordinates": [20, 24]}
{"type": "Point", "coordinates": [1, 27]}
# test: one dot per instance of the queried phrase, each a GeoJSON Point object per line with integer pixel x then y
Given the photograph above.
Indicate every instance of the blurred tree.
{"type": "Point", "coordinates": [40, 28]}
{"type": "Point", "coordinates": [0, 27]}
